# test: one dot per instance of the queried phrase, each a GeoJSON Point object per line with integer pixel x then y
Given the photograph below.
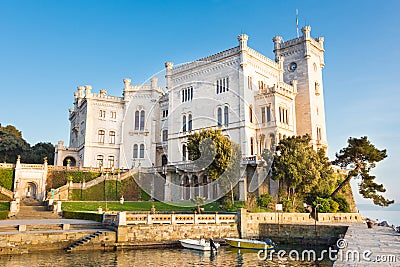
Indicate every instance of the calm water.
{"type": "Point", "coordinates": [391, 216]}
{"type": "Point", "coordinates": [149, 257]}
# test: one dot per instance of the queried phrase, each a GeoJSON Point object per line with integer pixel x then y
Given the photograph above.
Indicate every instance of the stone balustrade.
{"type": "Point", "coordinates": [134, 219]}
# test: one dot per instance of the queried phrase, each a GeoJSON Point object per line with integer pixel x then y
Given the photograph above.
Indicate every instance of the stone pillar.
{"type": "Point", "coordinates": [88, 91]}
{"type": "Point", "coordinates": [242, 189]}
{"type": "Point", "coordinates": [121, 218]}
{"type": "Point", "coordinates": [168, 74]}
{"type": "Point", "coordinates": [242, 222]}
{"type": "Point", "coordinates": [242, 38]}
{"type": "Point", "coordinates": [167, 187]}
{"type": "Point", "coordinates": [122, 234]}
{"type": "Point", "coordinates": [59, 210]}
{"type": "Point", "coordinates": [154, 81]}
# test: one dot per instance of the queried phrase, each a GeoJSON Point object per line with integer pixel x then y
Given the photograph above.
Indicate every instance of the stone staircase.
{"type": "Point", "coordinates": [77, 245]}
{"type": "Point", "coordinates": [34, 210]}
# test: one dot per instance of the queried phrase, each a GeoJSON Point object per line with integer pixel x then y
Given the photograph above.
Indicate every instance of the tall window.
{"type": "Point", "coordinates": [102, 114]}
{"type": "Point", "coordinates": [266, 114]}
{"type": "Point", "coordinates": [251, 113]}
{"type": "Point", "coordinates": [112, 137]}
{"type": "Point", "coordinates": [184, 123]}
{"type": "Point", "coordinates": [319, 134]}
{"type": "Point", "coordinates": [142, 120]}
{"type": "Point", "coordinates": [251, 146]}
{"type": "Point", "coordinates": [100, 159]}
{"type": "Point", "coordinates": [190, 122]}
{"type": "Point", "coordinates": [101, 136]}
{"type": "Point", "coordinates": [137, 119]}
{"type": "Point", "coordinates": [141, 151]}
{"type": "Point", "coordinates": [262, 114]}
{"type": "Point", "coordinates": [165, 135]}
{"type": "Point", "coordinates": [283, 115]}
{"type": "Point", "coordinates": [187, 94]}
{"type": "Point", "coordinates": [110, 161]}
{"type": "Point", "coordinates": [222, 85]}
{"type": "Point", "coordinates": [226, 115]}
{"type": "Point", "coordinates": [135, 151]}
{"type": "Point", "coordinates": [250, 82]}
{"type": "Point", "coordinates": [184, 152]}
{"type": "Point", "coordinates": [113, 114]}
{"type": "Point", "coordinates": [219, 116]}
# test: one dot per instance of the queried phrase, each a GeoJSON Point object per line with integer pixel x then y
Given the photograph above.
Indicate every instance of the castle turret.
{"type": "Point", "coordinates": [304, 61]}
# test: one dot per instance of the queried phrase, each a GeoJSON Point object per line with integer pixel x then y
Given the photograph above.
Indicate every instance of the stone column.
{"type": "Point", "coordinates": [167, 187]}
{"type": "Point", "coordinates": [242, 222]}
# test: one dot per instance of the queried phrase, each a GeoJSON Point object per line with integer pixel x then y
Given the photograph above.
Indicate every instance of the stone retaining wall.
{"type": "Point", "coordinates": [30, 241]}
{"type": "Point", "coordinates": [153, 234]}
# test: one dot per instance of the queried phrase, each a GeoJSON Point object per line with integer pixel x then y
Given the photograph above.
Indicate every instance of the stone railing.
{"type": "Point", "coordinates": [6, 192]}
{"type": "Point", "coordinates": [32, 166]}
{"type": "Point", "coordinates": [134, 219]}
{"type": "Point", "coordinates": [7, 166]}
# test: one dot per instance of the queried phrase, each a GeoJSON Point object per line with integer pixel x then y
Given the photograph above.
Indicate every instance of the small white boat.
{"type": "Point", "coordinates": [201, 244]}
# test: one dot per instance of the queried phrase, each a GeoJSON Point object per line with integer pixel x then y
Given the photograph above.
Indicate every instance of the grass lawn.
{"type": "Point", "coordinates": [136, 206]}
{"type": "Point", "coordinates": [4, 205]}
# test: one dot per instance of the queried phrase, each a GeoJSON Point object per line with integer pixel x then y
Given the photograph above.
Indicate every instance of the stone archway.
{"type": "Point", "coordinates": [72, 161]}
{"type": "Point", "coordinates": [30, 190]}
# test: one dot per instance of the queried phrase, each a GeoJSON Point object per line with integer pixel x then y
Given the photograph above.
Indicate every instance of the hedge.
{"type": "Point", "coordinates": [6, 178]}
{"type": "Point", "coordinates": [114, 190]}
{"type": "Point", "coordinates": [83, 216]}
{"type": "Point", "coordinates": [3, 214]}
{"type": "Point", "coordinates": [56, 179]}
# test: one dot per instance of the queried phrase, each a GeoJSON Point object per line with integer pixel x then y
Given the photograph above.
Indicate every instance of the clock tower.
{"type": "Point", "coordinates": [304, 61]}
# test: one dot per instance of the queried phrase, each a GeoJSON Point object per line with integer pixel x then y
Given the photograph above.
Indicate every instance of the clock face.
{"type": "Point", "coordinates": [292, 66]}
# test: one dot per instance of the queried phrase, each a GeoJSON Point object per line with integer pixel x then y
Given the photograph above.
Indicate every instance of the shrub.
{"type": "Point", "coordinates": [83, 216]}
{"type": "Point", "coordinates": [343, 204]}
{"type": "Point", "coordinates": [326, 205]}
{"type": "Point", "coordinates": [3, 214]}
{"type": "Point", "coordinates": [6, 178]}
{"type": "Point", "coordinates": [265, 201]}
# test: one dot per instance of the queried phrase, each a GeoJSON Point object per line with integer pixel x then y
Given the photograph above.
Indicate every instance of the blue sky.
{"type": "Point", "coordinates": [48, 48]}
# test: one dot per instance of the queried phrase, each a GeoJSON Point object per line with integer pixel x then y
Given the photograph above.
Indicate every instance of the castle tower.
{"type": "Point", "coordinates": [304, 61]}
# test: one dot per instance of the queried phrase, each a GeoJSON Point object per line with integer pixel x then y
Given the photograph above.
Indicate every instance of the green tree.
{"type": "Point", "coordinates": [301, 170]}
{"type": "Point", "coordinates": [361, 156]}
{"type": "Point", "coordinates": [12, 130]}
{"type": "Point", "coordinates": [210, 149]}
{"type": "Point", "coordinates": [11, 146]}
{"type": "Point", "coordinates": [265, 200]}
{"type": "Point", "coordinates": [38, 152]}
{"type": "Point", "coordinates": [215, 153]}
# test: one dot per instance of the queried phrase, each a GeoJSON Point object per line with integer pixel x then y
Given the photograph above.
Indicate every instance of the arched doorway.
{"type": "Point", "coordinates": [30, 190]}
{"type": "Point", "coordinates": [72, 161]}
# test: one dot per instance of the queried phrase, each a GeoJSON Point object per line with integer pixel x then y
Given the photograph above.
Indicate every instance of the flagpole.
{"type": "Point", "coordinates": [297, 22]}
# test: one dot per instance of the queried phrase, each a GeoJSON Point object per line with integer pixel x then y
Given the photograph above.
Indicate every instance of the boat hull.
{"type": "Point", "coordinates": [248, 244]}
{"type": "Point", "coordinates": [197, 244]}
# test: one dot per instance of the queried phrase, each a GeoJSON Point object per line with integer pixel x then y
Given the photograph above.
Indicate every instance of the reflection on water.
{"type": "Point", "coordinates": [150, 257]}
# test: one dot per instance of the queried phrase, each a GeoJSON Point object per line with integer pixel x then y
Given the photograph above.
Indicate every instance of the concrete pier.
{"type": "Point", "coordinates": [369, 247]}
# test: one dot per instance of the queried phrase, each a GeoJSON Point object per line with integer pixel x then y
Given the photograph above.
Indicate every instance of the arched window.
{"type": "Point", "coordinates": [141, 152]}
{"type": "Point", "coordinates": [110, 161]}
{"type": "Point", "coordinates": [184, 152]}
{"type": "Point", "coordinates": [251, 113]}
{"type": "Point", "coordinates": [226, 115]}
{"type": "Point", "coordinates": [137, 120]}
{"type": "Point", "coordinates": [101, 136]}
{"type": "Point", "coordinates": [164, 160]}
{"type": "Point", "coordinates": [112, 137]}
{"type": "Point", "coordinates": [251, 146]}
{"type": "Point", "coordinates": [135, 151]}
{"type": "Point", "coordinates": [100, 159]}
{"type": "Point", "coordinates": [219, 115]}
{"type": "Point", "coordinates": [184, 123]}
{"type": "Point", "coordinates": [271, 141]}
{"type": "Point", "coordinates": [142, 120]}
{"type": "Point", "coordinates": [190, 122]}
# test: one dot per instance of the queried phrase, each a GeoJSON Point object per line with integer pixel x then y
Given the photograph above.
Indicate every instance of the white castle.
{"type": "Point", "coordinates": [254, 100]}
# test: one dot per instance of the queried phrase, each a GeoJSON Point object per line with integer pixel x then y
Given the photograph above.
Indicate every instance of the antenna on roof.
{"type": "Point", "coordinates": [297, 22]}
